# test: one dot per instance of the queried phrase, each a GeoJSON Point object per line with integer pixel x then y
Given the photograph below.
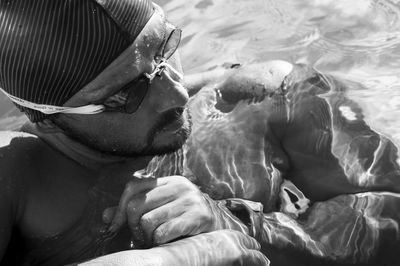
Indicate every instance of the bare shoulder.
{"type": "Point", "coordinates": [25, 160]}
{"type": "Point", "coordinates": [13, 144]}
{"type": "Point", "coordinates": [12, 158]}
{"type": "Point", "coordinates": [6, 137]}
{"type": "Point", "coordinates": [18, 151]}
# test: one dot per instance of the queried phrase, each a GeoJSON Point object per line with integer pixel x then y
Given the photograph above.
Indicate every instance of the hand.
{"type": "Point", "coordinates": [224, 247]}
{"type": "Point", "coordinates": [163, 209]}
{"type": "Point", "coordinates": [218, 248]}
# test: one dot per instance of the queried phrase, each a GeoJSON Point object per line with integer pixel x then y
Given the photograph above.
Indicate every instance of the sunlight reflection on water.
{"type": "Point", "coordinates": [356, 40]}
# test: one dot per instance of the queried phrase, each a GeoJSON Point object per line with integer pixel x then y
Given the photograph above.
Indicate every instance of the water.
{"type": "Point", "coordinates": [356, 40]}
{"type": "Point", "coordinates": [353, 40]}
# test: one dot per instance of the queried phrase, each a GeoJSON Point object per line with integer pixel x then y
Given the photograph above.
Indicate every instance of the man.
{"type": "Point", "coordinates": [102, 82]}
{"type": "Point", "coordinates": [64, 45]}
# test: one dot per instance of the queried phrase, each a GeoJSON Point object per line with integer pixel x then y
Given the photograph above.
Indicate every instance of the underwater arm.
{"type": "Point", "coordinates": [222, 248]}
{"type": "Point", "coordinates": [194, 82]}
{"type": "Point", "coordinates": [349, 229]}
{"type": "Point", "coordinates": [239, 82]}
{"type": "Point", "coordinates": [348, 170]}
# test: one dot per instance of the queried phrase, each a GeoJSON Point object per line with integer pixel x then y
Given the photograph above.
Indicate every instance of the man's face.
{"type": "Point", "coordinates": [160, 125]}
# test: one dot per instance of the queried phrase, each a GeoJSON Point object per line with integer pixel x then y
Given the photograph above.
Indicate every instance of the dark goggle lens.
{"type": "Point", "coordinates": [136, 90]}
{"type": "Point", "coordinates": [136, 95]}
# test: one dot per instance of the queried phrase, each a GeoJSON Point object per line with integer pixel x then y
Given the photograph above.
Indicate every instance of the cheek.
{"type": "Point", "coordinates": [120, 128]}
{"type": "Point", "coordinates": [111, 128]}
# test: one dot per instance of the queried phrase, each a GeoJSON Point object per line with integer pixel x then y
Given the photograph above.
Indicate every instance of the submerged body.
{"type": "Point", "coordinates": [250, 134]}
{"type": "Point", "coordinates": [252, 129]}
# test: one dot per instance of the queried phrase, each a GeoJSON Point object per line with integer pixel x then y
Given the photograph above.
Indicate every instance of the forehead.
{"type": "Point", "coordinates": [135, 60]}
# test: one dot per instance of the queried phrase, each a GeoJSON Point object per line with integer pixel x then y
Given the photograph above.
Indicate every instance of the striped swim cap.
{"type": "Point", "coordinates": [50, 49]}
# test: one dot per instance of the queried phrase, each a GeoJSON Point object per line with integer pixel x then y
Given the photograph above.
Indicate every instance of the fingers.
{"type": "Point", "coordinates": [159, 216]}
{"type": "Point", "coordinates": [145, 207]}
{"type": "Point", "coordinates": [147, 201]}
{"type": "Point", "coordinates": [185, 216]}
{"type": "Point", "coordinates": [144, 203]}
{"type": "Point", "coordinates": [255, 258]}
{"type": "Point", "coordinates": [178, 224]}
{"type": "Point", "coordinates": [132, 188]}
{"type": "Point", "coordinates": [245, 240]}
{"type": "Point", "coordinates": [249, 253]}
{"type": "Point", "coordinates": [171, 230]}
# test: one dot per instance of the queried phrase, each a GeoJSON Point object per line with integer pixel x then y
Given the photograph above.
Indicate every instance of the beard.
{"type": "Point", "coordinates": [179, 138]}
{"type": "Point", "coordinates": [150, 148]}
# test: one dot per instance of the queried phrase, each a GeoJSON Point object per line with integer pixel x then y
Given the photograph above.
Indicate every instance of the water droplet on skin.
{"type": "Point", "coordinates": [348, 113]}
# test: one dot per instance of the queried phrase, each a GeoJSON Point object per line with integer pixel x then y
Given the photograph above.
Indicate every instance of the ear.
{"type": "Point", "coordinates": [48, 126]}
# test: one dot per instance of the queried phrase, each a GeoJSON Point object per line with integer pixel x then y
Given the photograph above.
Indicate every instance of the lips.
{"type": "Point", "coordinates": [174, 126]}
{"type": "Point", "coordinates": [172, 120]}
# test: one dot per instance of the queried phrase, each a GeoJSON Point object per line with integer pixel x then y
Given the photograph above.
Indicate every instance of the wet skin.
{"type": "Point", "coordinates": [49, 195]}
{"type": "Point", "coordinates": [249, 133]}
{"type": "Point", "coordinates": [295, 159]}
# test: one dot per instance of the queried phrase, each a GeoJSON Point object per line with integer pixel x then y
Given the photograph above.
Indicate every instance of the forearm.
{"type": "Point", "coordinates": [150, 257]}
{"type": "Point", "coordinates": [193, 83]}
{"type": "Point", "coordinates": [355, 229]}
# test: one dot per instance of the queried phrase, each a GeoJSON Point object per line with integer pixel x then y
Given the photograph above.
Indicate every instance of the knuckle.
{"type": "Point", "coordinates": [182, 181]}
{"type": "Point", "coordinates": [255, 258]}
{"type": "Point", "coordinates": [231, 233]}
{"type": "Point", "coordinates": [204, 217]}
{"type": "Point", "coordinates": [197, 199]}
{"type": "Point", "coordinates": [159, 234]}
{"type": "Point", "coordinates": [146, 221]}
{"type": "Point", "coordinates": [180, 178]}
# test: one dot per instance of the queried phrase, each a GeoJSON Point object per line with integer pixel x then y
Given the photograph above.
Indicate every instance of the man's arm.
{"type": "Point", "coordinates": [329, 143]}
{"type": "Point", "coordinates": [351, 228]}
{"type": "Point", "coordinates": [222, 248]}
{"type": "Point", "coordinates": [349, 171]}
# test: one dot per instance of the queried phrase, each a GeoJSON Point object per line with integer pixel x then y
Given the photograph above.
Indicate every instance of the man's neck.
{"type": "Point", "coordinates": [86, 156]}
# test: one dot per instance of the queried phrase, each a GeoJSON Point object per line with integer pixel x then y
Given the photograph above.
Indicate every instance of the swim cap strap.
{"type": "Point", "coordinates": [49, 50]}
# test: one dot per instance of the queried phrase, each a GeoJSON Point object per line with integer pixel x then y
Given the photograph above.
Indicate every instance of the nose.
{"type": "Point", "coordinates": [167, 92]}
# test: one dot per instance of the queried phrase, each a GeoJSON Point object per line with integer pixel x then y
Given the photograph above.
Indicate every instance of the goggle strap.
{"type": "Point", "coordinates": [51, 109]}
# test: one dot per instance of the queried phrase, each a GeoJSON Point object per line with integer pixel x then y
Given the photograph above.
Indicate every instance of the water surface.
{"type": "Point", "coordinates": [357, 39]}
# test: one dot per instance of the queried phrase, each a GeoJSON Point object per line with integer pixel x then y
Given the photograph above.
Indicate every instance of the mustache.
{"type": "Point", "coordinates": [167, 118]}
